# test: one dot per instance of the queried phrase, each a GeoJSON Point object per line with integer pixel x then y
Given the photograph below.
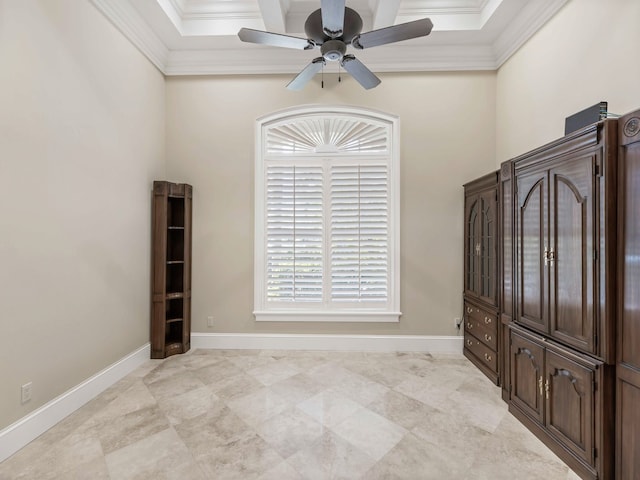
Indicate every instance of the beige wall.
{"type": "Point", "coordinates": [587, 53]}
{"type": "Point", "coordinates": [81, 139]}
{"type": "Point", "coordinates": [447, 124]}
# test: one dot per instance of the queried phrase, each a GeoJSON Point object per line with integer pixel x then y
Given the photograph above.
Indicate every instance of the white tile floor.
{"type": "Point", "coordinates": [213, 414]}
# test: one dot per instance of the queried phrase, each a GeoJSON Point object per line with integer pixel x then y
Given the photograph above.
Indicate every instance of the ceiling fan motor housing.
{"type": "Point", "coordinates": [315, 31]}
{"type": "Point", "coordinates": [333, 50]}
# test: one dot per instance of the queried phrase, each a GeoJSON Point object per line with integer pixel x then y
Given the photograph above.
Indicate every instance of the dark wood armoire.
{"type": "Point", "coordinates": [562, 332]}
{"type": "Point", "coordinates": [171, 269]}
{"type": "Point", "coordinates": [481, 275]}
{"type": "Point", "coordinates": [568, 293]}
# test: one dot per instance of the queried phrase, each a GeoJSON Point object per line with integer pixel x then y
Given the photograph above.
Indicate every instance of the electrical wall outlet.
{"type": "Point", "coordinates": [26, 392]}
{"type": "Point", "coordinates": [210, 322]}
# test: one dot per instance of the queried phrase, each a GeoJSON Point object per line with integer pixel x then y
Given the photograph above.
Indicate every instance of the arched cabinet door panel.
{"type": "Point", "coordinates": [488, 247]}
{"type": "Point", "coordinates": [532, 250]}
{"type": "Point", "coordinates": [571, 266]}
{"type": "Point", "coordinates": [569, 399]}
{"type": "Point", "coordinates": [527, 376]}
{"type": "Point", "coordinates": [472, 247]}
{"type": "Point", "coordinates": [481, 246]}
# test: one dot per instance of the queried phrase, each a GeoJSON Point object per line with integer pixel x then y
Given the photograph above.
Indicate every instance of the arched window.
{"type": "Point", "coordinates": [327, 216]}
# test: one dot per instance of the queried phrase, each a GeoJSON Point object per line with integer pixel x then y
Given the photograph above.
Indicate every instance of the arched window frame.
{"type": "Point", "coordinates": [357, 137]}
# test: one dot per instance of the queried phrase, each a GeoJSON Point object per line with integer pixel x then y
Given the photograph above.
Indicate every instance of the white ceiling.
{"type": "Point", "coordinates": [194, 37]}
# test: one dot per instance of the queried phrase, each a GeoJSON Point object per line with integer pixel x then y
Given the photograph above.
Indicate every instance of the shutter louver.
{"type": "Point", "coordinates": [341, 134]}
{"type": "Point", "coordinates": [359, 233]}
{"type": "Point", "coordinates": [294, 234]}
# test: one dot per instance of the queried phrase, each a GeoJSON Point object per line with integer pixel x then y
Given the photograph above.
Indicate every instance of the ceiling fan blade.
{"type": "Point", "coordinates": [332, 17]}
{"type": "Point", "coordinates": [395, 33]}
{"type": "Point", "coordinates": [274, 39]}
{"type": "Point", "coordinates": [360, 72]}
{"type": "Point", "coordinates": [306, 74]}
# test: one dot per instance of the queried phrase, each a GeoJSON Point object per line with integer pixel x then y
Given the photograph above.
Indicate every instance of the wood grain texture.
{"type": "Point", "coordinates": [482, 344]}
{"type": "Point", "coordinates": [170, 328]}
{"type": "Point", "coordinates": [628, 351]}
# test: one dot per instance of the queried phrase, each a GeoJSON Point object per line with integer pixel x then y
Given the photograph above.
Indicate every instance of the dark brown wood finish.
{"type": "Point", "coordinates": [565, 239]}
{"type": "Point", "coordinates": [572, 253]}
{"type": "Point", "coordinates": [527, 376]}
{"type": "Point", "coordinates": [564, 285]}
{"type": "Point", "coordinates": [533, 250]}
{"type": "Point", "coordinates": [506, 268]}
{"type": "Point", "coordinates": [481, 276]}
{"type": "Point", "coordinates": [628, 351]}
{"type": "Point", "coordinates": [570, 411]}
{"type": "Point", "coordinates": [171, 269]}
{"type": "Point", "coordinates": [564, 397]}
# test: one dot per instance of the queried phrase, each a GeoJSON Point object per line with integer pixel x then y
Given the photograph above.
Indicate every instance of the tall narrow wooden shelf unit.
{"type": "Point", "coordinates": [171, 269]}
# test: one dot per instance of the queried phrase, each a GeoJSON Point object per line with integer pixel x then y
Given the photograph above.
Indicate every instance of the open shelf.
{"type": "Point", "coordinates": [171, 292]}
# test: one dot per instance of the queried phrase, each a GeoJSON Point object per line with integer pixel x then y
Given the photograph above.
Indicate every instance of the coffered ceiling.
{"type": "Point", "coordinates": [193, 37]}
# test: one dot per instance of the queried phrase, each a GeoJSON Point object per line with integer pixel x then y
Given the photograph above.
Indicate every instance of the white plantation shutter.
{"type": "Point", "coordinates": [294, 234]}
{"type": "Point", "coordinates": [327, 216]}
{"type": "Point", "coordinates": [359, 233]}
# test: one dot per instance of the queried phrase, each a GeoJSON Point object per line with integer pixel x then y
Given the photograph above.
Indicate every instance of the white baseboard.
{"type": "Point", "coordinates": [363, 343]}
{"type": "Point", "coordinates": [27, 429]}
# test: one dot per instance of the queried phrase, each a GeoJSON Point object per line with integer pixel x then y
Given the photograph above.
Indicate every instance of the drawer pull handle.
{"type": "Point", "coordinates": [469, 310]}
{"type": "Point", "coordinates": [487, 320]}
{"type": "Point", "coordinates": [469, 343]}
{"type": "Point", "coordinates": [469, 326]}
{"type": "Point", "coordinates": [487, 337]}
{"type": "Point", "coordinates": [487, 357]}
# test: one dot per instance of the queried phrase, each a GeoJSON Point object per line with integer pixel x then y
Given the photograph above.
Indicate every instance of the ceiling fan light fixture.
{"type": "Point", "coordinates": [333, 27]}
{"type": "Point", "coordinates": [333, 50]}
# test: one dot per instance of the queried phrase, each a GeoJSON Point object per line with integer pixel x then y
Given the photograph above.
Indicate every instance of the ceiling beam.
{"type": "Point", "coordinates": [384, 13]}
{"type": "Point", "coordinates": [273, 14]}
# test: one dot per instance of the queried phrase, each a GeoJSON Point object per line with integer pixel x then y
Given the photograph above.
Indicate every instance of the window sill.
{"type": "Point", "coordinates": [338, 316]}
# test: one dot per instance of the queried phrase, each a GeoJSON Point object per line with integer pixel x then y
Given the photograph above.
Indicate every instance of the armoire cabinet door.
{"type": "Point", "coordinates": [532, 250]}
{"type": "Point", "coordinates": [571, 253]}
{"type": "Point", "coordinates": [569, 394]}
{"type": "Point", "coordinates": [488, 247]}
{"type": "Point", "coordinates": [472, 247]}
{"type": "Point", "coordinates": [481, 230]}
{"type": "Point", "coordinates": [527, 376]}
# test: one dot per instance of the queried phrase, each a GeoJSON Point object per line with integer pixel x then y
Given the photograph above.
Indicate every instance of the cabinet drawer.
{"type": "Point", "coordinates": [486, 334]}
{"type": "Point", "coordinates": [476, 314]}
{"type": "Point", "coordinates": [482, 325]}
{"type": "Point", "coordinates": [481, 351]}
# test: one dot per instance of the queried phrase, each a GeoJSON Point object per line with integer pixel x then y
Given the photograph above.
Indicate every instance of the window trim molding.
{"type": "Point", "coordinates": [392, 312]}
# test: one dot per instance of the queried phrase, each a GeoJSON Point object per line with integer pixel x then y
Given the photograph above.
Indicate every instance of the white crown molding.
{"type": "Point", "coordinates": [357, 343]}
{"type": "Point", "coordinates": [417, 57]}
{"type": "Point", "coordinates": [126, 19]}
{"type": "Point", "coordinates": [28, 428]}
{"type": "Point", "coordinates": [530, 20]}
{"type": "Point", "coordinates": [277, 61]}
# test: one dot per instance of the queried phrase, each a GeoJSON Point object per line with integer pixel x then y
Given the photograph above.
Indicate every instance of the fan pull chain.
{"type": "Point", "coordinates": [322, 80]}
{"type": "Point", "coordinates": [339, 73]}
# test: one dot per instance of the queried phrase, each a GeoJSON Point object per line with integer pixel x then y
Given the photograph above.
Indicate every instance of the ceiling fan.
{"type": "Point", "coordinates": [332, 28]}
